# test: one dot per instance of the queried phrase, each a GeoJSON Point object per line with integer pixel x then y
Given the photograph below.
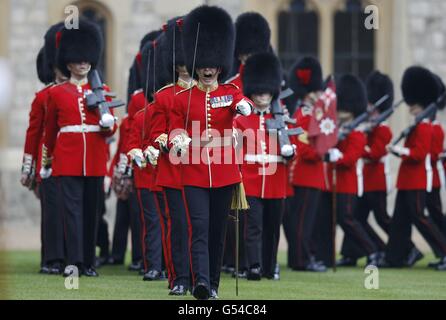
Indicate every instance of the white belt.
{"type": "Point", "coordinates": [263, 158]}
{"type": "Point", "coordinates": [81, 128]}
{"type": "Point", "coordinates": [216, 142]}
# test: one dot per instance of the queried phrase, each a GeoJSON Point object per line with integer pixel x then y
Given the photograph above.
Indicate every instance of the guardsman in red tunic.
{"type": "Point", "coordinates": [152, 222]}
{"type": "Point", "coordinates": [75, 149]}
{"type": "Point", "coordinates": [376, 173]}
{"type": "Point", "coordinates": [308, 174]}
{"type": "Point", "coordinates": [127, 208]}
{"type": "Point", "coordinates": [433, 198]}
{"type": "Point", "coordinates": [342, 161]}
{"type": "Point", "coordinates": [168, 174]}
{"type": "Point", "coordinates": [252, 35]}
{"type": "Point", "coordinates": [135, 71]}
{"type": "Point", "coordinates": [201, 131]}
{"type": "Point", "coordinates": [263, 168]}
{"type": "Point", "coordinates": [419, 88]}
{"type": "Point", "coordinates": [52, 225]}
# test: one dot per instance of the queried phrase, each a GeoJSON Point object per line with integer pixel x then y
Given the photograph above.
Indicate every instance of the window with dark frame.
{"type": "Point", "coordinates": [298, 33]}
{"type": "Point", "coordinates": [354, 44]}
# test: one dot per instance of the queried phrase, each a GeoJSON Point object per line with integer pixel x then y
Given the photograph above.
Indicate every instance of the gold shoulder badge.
{"type": "Point", "coordinates": [136, 92]}
{"type": "Point", "coordinates": [187, 89]}
{"type": "Point", "coordinates": [165, 87]}
{"type": "Point", "coordinates": [231, 84]}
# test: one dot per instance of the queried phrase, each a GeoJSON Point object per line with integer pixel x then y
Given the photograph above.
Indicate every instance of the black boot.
{"type": "Point", "coordinates": [346, 262]}
{"type": "Point", "coordinates": [442, 265]}
{"type": "Point", "coordinates": [414, 256]}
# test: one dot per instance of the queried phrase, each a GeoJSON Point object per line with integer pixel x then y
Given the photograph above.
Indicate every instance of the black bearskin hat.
{"type": "Point", "coordinates": [441, 91]}
{"type": "Point", "coordinates": [419, 86]}
{"type": "Point", "coordinates": [351, 94]}
{"type": "Point", "coordinates": [262, 74]}
{"type": "Point", "coordinates": [378, 85]}
{"type": "Point", "coordinates": [305, 77]}
{"type": "Point", "coordinates": [50, 44]}
{"type": "Point", "coordinates": [43, 72]}
{"type": "Point", "coordinates": [216, 39]}
{"type": "Point", "coordinates": [151, 61]}
{"type": "Point", "coordinates": [79, 45]}
{"type": "Point", "coordinates": [172, 31]}
{"type": "Point", "coordinates": [252, 34]}
{"type": "Point", "coordinates": [152, 35]}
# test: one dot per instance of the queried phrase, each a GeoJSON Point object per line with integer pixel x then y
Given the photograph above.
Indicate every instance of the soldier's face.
{"type": "Point", "coordinates": [208, 76]}
{"type": "Point", "coordinates": [60, 77]}
{"type": "Point", "coordinates": [344, 117]}
{"type": "Point", "coordinates": [415, 109]}
{"type": "Point", "coordinates": [79, 69]}
{"type": "Point", "coordinates": [262, 100]}
{"type": "Point", "coordinates": [182, 71]}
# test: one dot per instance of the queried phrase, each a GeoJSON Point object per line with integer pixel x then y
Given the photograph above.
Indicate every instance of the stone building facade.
{"type": "Point", "coordinates": [410, 31]}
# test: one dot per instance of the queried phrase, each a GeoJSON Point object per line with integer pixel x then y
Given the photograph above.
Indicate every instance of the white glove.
{"type": "Point", "coordinates": [27, 176]}
{"type": "Point", "coordinates": [244, 107]}
{"type": "Point", "coordinates": [287, 151]}
{"type": "Point", "coordinates": [334, 155]}
{"type": "Point", "coordinates": [181, 143]}
{"type": "Point", "coordinates": [152, 154]}
{"type": "Point", "coordinates": [400, 151]}
{"type": "Point", "coordinates": [162, 141]}
{"type": "Point", "coordinates": [137, 157]}
{"type": "Point", "coordinates": [122, 164]}
{"type": "Point", "coordinates": [45, 172]}
{"type": "Point", "coordinates": [107, 121]}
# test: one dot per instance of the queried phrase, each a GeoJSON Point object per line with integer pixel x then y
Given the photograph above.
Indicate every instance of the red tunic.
{"type": "Point", "coordinates": [375, 158]}
{"type": "Point", "coordinates": [144, 178]}
{"type": "Point", "coordinates": [74, 153]}
{"type": "Point", "coordinates": [168, 175]}
{"type": "Point", "coordinates": [208, 165]}
{"type": "Point", "coordinates": [34, 133]}
{"type": "Point", "coordinates": [122, 144]}
{"type": "Point", "coordinates": [412, 174]}
{"type": "Point", "coordinates": [237, 79]}
{"type": "Point", "coordinates": [308, 167]}
{"type": "Point", "coordinates": [264, 172]}
{"type": "Point", "coordinates": [352, 149]}
{"type": "Point", "coordinates": [436, 150]}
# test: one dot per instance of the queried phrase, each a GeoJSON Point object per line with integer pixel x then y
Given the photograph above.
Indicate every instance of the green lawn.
{"type": "Point", "coordinates": [21, 280]}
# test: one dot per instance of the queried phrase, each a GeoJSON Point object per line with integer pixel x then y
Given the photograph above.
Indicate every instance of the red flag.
{"type": "Point", "coordinates": [322, 130]}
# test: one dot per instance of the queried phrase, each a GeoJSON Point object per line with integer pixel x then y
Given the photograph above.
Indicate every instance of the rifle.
{"type": "Point", "coordinates": [279, 125]}
{"type": "Point", "coordinates": [348, 128]}
{"type": "Point", "coordinates": [383, 117]}
{"type": "Point", "coordinates": [97, 99]}
{"type": "Point", "coordinates": [427, 113]}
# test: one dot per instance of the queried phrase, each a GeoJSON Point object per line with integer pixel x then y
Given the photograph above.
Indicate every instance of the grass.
{"type": "Point", "coordinates": [20, 280]}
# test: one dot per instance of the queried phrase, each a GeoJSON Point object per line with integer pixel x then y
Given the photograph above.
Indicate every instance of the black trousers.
{"type": "Point", "coordinates": [375, 202]}
{"type": "Point", "coordinates": [208, 210]}
{"type": "Point", "coordinates": [288, 231]}
{"type": "Point", "coordinates": [177, 237]}
{"type": "Point", "coordinates": [81, 197]}
{"type": "Point", "coordinates": [150, 230]}
{"type": "Point", "coordinates": [103, 238]}
{"type": "Point", "coordinates": [230, 242]}
{"type": "Point", "coordinates": [409, 209]}
{"type": "Point", "coordinates": [263, 221]}
{"type": "Point", "coordinates": [160, 202]}
{"type": "Point", "coordinates": [127, 216]}
{"type": "Point", "coordinates": [301, 221]}
{"type": "Point", "coordinates": [435, 209]}
{"type": "Point", "coordinates": [345, 205]}
{"type": "Point", "coordinates": [52, 232]}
